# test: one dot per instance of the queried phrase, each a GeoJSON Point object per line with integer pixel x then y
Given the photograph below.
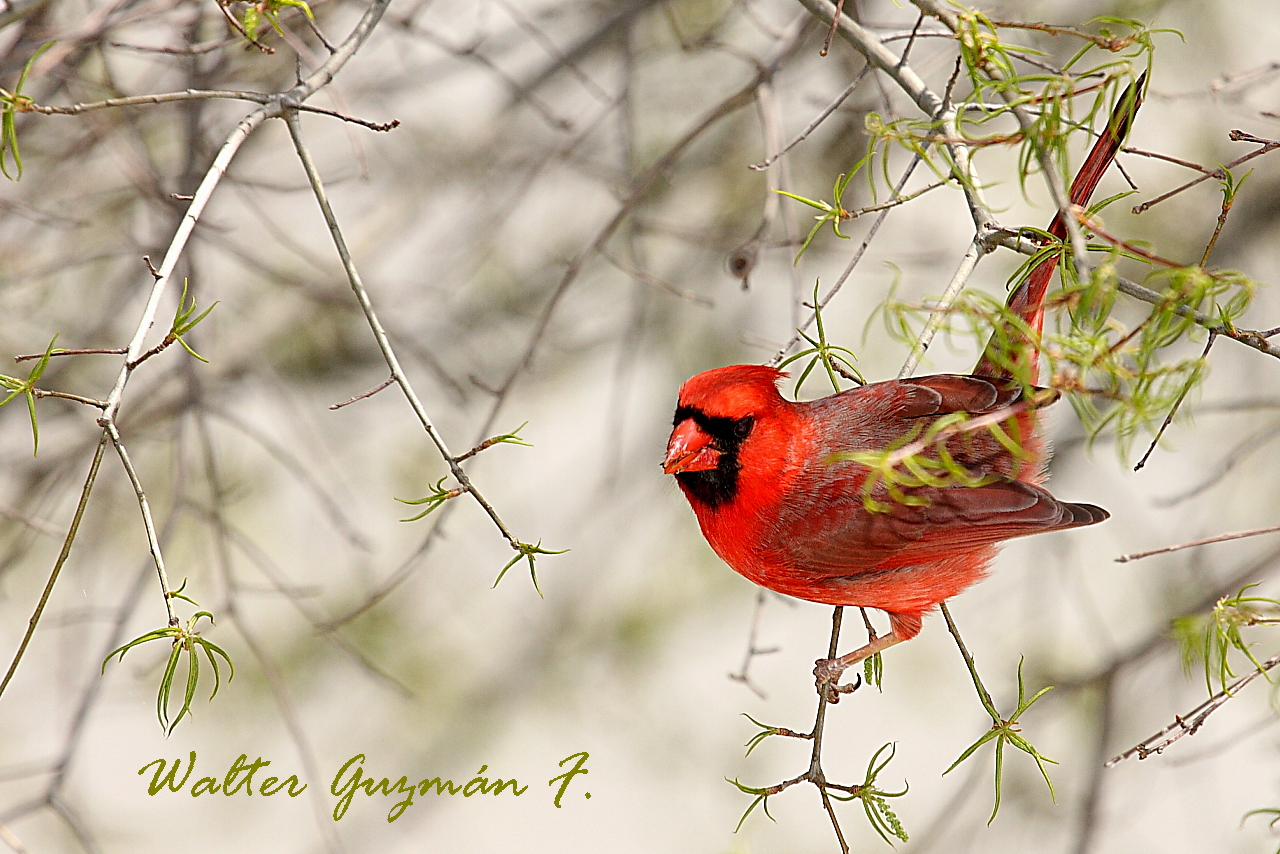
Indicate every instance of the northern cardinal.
{"type": "Point", "coordinates": [780, 501]}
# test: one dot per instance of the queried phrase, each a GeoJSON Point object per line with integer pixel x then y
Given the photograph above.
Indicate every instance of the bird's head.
{"type": "Point", "coordinates": [717, 413]}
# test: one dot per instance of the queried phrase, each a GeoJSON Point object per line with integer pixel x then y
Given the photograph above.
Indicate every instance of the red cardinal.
{"type": "Point", "coordinates": [780, 502]}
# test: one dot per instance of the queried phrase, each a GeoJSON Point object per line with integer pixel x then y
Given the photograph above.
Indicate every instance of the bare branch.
{"type": "Point", "coordinates": [62, 559]}
{"type": "Point", "coordinates": [1220, 538]}
{"type": "Point", "coordinates": [380, 335]}
{"type": "Point", "coordinates": [365, 394]}
{"type": "Point", "coordinates": [1220, 174]}
{"type": "Point", "coordinates": [153, 541]}
{"type": "Point", "coordinates": [1190, 723]}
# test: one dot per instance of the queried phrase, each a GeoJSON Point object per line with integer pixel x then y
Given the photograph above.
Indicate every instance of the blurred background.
{"type": "Point", "coordinates": [530, 270]}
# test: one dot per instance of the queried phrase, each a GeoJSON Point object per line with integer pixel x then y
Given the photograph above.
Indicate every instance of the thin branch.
{"type": "Point", "coordinates": [849, 268]}
{"type": "Point", "coordinates": [1093, 225]}
{"type": "Point", "coordinates": [1220, 174]}
{"type": "Point", "coordinates": [937, 317]}
{"type": "Point", "coordinates": [753, 650]}
{"type": "Point", "coordinates": [656, 282]}
{"type": "Point", "coordinates": [114, 351]}
{"type": "Point", "coordinates": [38, 525]}
{"type": "Point", "coordinates": [276, 103]}
{"type": "Point", "coordinates": [1228, 200]}
{"type": "Point", "coordinates": [365, 394]}
{"type": "Point", "coordinates": [380, 127]}
{"type": "Point", "coordinates": [1220, 538]}
{"type": "Point", "coordinates": [321, 77]}
{"type": "Point", "coordinates": [1190, 723]}
{"type": "Point", "coordinates": [1173, 410]}
{"type": "Point", "coordinates": [813, 125]}
{"type": "Point", "coordinates": [277, 579]}
{"type": "Point", "coordinates": [1103, 42]}
{"type": "Point", "coordinates": [1170, 159]}
{"type": "Point", "coordinates": [225, 532]}
{"type": "Point", "coordinates": [267, 667]}
{"type": "Point", "coordinates": [867, 44]}
{"type": "Point", "coordinates": [153, 542]}
{"type": "Point", "coordinates": [62, 395]}
{"type": "Point", "coordinates": [190, 50]}
{"type": "Point", "coordinates": [62, 559]}
{"type": "Point", "coordinates": [293, 465]}
{"type": "Point", "coordinates": [777, 178]}
{"type": "Point", "coordinates": [937, 109]}
{"type": "Point", "coordinates": [1053, 178]}
{"type": "Point", "coordinates": [380, 335]}
{"type": "Point", "coordinates": [73, 823]}
{"type": "Point", "coordinates": [8, 837]}
{"type": "Point", "coordinates": [941, 111]}
{"type": "Point", "coordinates": [814, 773]}
{"type": "Point", "coordinates": [1248, 337]}
{"type": "Point", "coordinates": [639, 189]}
{"type": "Point", "coordinates": [985, 697]}
{"type": "Point", "coordinates": [1234, 457]}
{"type": "Point", "coordinates": [201, 198]}
{"type": "Point", "coordinates": [142, 100]}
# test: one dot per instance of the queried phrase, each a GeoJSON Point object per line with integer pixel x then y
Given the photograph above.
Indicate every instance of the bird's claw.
{"type": "Point", "coordinates": [827, 672]}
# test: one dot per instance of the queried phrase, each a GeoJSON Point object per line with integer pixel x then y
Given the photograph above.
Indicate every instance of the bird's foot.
{"type": "Point", "coordinates": [827, 674]}
{"type": "Point", "coordinates": [827, 671]}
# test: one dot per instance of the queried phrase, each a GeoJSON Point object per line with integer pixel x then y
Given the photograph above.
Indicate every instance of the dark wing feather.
{"type": "Point", "coordinates": [824, 525]}
{"type": "Point", "coordinates": [955, 519]}
{"type": "Point", "coordinates": [942, 394]}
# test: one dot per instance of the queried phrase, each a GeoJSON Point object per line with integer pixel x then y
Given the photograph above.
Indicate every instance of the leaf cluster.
{"type": "Point", "coordinates": [528, 552]}
{"type": "Point", "coordinates": [875, 801]}
{"type": "Point", "coordinates": [834, 359]}
{"type": "Point", "coordinates": [1121, 381]}
{"type": "Point", "coordinates": [998, 85]}
{"type": "Point", "coordinates": [184, 639]}
{"type": "Point", "coordinates": [1129, 379]}
{"type": "Point", "coordinates": [1006, 731]}
{"type": "Point", "coordinates": [1055, 106]}
{"type": "Point", "coordinates": [12, 103]}
{"type": "Point", "coordinates": [183, 322]}
{"type": "Point", "coordinates": [921, 457]}
{"type": "Point", "coordinates": [269, 11]}
{"type": "Point", "coordinates": [432, 500]}
{"type": "Point", "coordinates": [27, 388]}
{"type": "Point", "coordinates": [1210, 638]}
{"type": "Point", "coordinates": [439, 495]}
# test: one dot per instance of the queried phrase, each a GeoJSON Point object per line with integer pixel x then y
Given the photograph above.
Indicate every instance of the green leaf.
{"type": "Point", "coordinates": [26, 388]}
{"type": "Point", "coordinates": [11, 103]}
{"type": "Point", "coordinates": [528, 552]}
{"type": "Point", "coordinates": [438, 496]}
{"type": "Point", "coordinates": [761, 799]}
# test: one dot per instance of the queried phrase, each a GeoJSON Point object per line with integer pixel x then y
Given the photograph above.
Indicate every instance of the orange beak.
{"type": "Point", "coordinates": [690, 449]}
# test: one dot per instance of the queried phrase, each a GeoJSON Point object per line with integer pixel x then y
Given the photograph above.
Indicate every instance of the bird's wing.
{"type": "Point", "coordinates": [847, 538]}
{"type": "Point", "coordinates": [941, 394]}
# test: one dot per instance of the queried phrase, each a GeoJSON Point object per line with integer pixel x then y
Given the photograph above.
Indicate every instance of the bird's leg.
{"type": "Point", "coordinates": [828, 670]}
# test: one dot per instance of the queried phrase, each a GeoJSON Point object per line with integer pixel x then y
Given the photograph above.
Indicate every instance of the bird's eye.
{"type": "Point", "coordinates": [742, 429]}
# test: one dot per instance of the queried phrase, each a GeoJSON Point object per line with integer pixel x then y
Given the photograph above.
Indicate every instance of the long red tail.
{"type": "Point", "coordinates": [1027, 300]}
